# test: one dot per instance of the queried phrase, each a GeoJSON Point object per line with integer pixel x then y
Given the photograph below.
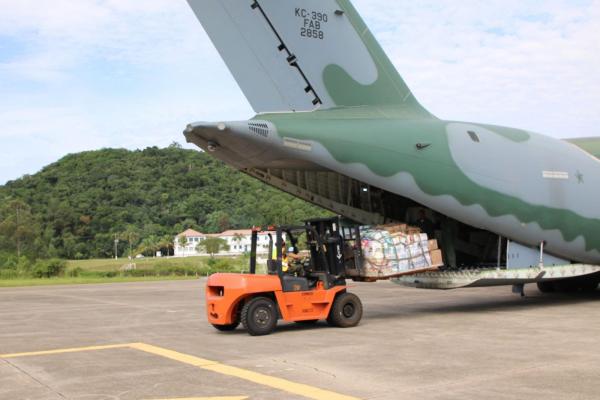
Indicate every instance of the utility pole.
{"type": "Point", "coordinates": [116, 247]}
{"type": "Point", "coordinates": [17, 231]}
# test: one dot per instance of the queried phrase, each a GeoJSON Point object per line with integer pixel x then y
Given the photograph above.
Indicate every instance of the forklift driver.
{"type": "Point", "coordinates": [293, 263]}
{"type": "Point", "coordinates": [283, 253]}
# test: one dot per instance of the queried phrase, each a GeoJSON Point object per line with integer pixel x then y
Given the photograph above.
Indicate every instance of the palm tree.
{"type": "Point", "coordinates": [166, 242]}
{"type": "Point", "coordinates": [131, 235]}
{"type": "Point", "coordinates": [151, 245]}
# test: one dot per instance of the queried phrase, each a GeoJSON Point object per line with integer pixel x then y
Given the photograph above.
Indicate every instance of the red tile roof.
{"type": "Point", "coordinates": [191, 233]}
{"type": "Point", "coordinates": [231, 232]}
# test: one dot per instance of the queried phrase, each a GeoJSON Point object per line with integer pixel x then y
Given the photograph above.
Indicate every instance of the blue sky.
{"type": "Point", "coordinates": [86, 74]}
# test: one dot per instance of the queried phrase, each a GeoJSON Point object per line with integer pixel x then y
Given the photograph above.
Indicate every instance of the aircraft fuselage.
{"type": "Point", "coordinates": [524, 186]}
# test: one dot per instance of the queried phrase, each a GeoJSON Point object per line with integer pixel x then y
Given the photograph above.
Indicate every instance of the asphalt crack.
{"type": "Point", "coordinates": [310, 367]}
{"type": "Point", "coordinates": [33, 378]}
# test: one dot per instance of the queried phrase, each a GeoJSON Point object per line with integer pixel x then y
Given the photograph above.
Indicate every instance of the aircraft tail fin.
{"type": "Point", "coordinates": [299, 55]}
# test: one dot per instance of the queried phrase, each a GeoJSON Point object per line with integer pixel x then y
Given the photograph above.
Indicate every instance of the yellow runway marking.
{"type": "Point", "coordinates": [299, 389]}
{"type": "Point", "coordinates": [173, 355]}
{"type": "Point", "coordinates": [62, 351]}
{"type": "Point", "coordinates": [285, 385]}
{"type": "Point", "coordinates": [211, 398]}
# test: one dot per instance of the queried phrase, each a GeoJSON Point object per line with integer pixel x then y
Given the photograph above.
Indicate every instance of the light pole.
{"type": "Point", "coordinates": [116, 247]}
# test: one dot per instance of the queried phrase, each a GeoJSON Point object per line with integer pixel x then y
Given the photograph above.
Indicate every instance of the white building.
{"type": "Point", "coordinates": [239, 242]}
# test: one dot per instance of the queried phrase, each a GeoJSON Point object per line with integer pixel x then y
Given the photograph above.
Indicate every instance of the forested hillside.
{"type": "Point", "coordinates": [76, 207]}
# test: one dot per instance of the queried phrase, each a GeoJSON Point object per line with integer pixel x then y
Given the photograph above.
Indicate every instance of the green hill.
{"type": "Point", "coordinates": [75, 208]}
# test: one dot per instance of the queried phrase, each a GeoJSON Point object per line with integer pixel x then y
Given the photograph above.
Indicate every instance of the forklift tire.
{"type": "Point", "coordinates": [226, 328]}
{"type": "Point", "coordinates": [346, 311]}
{"type": "Point", "coordinates": [259, 316]}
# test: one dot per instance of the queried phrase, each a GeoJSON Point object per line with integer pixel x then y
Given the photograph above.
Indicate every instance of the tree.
{"type": "Point", "coordinates": [166, 243]}
{"type": "Point", "coordinates": [149, 246]}
{"type": "Point", "coordinates": [182, 241]}
{"type": "Point", "coordinates": [132, 236]}
{"type": "Point", "coordinates": [18, 228]}
{"type": "Point", "coordinates": [212, 246]}
{"type": "Point", "coordinates": [78, 203]}
{"type": "Point", "coordinates": [218, 221]}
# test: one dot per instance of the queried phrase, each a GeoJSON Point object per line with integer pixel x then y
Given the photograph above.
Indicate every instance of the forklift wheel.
{"type": "Point", "coordinates": [226, 328]}
{"type": "Point", "coordinates": [346, 311]}
{"type": "Point", "coordinates": [259, 316]}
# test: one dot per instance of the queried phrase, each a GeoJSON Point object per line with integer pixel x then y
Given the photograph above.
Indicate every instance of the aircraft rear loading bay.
{"type": "Point", "coordinates": [337, 126]}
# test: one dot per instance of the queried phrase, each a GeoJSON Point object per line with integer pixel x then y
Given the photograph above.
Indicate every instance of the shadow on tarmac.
{"type": "Point", "coordinates": [476, 304]}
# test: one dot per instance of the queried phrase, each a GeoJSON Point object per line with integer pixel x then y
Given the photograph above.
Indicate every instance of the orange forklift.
{"type": "Point", "coordinates": [316, 292]}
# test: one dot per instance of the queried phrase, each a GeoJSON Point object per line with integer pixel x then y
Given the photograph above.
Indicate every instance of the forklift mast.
{"type": "Point", "coordinates": [332, 242]}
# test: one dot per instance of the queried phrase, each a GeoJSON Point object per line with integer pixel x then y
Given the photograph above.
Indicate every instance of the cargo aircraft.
{"type": "Point", "coordinates": [337, 126]}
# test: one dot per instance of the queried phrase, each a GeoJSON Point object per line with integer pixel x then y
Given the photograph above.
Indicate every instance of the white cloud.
{"type": "Point", "coordinates": [39, 136]}
{"type": "Point", "coordinates": [130, 73]}
{"type": "Point", "coordinates": [91, 74]}
{"type": "Point", "coordinates": [66, 34]}
{"type": "Point", "coordinates": [517, 63]}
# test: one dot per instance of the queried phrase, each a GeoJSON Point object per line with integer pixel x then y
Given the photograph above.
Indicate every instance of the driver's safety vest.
{"type": "Point", "coordinates": [284, 259]}
{"type": "Point", "coordinates": [284, 263]}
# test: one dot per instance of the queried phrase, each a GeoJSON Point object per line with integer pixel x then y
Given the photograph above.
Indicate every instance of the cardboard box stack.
{"type": "Point", "coordinates": [395, 250]}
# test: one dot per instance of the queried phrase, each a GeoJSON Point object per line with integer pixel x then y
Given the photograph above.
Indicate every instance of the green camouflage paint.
{"type": "Point", "coordinates": [387, 147]}
{"type": "Point", "coordinates": [389, 88]}
{"type": "Point", "coordinates": [378, 124]}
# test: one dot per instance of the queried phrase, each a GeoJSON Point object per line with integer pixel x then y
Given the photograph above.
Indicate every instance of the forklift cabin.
{"type": "Point", "coordinates": [317, 291]}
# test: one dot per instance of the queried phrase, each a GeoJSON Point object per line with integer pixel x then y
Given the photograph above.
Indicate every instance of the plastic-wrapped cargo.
{"type": "Point", "coordinates": [395, 250]}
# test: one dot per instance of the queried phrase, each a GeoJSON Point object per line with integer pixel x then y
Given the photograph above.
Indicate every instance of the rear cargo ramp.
{"type": "Point", "coordinates": [494, 277]}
